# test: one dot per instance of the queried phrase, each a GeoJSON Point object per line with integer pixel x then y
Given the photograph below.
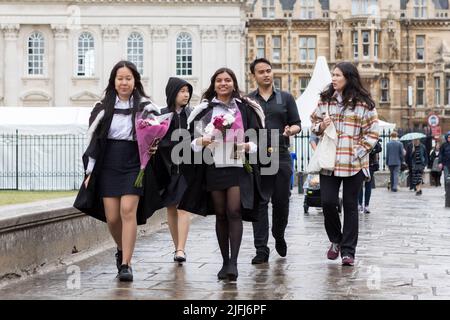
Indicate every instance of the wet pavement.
{"type": "Point", "coordinates": [403, 253]}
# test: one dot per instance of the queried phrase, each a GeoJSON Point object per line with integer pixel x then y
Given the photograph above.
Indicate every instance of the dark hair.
{"type": "Point", "coordinates": [256, 61]}
{"type": "Point", "coordinates": [110, 93]}
{"type": "Point", "coordinates": [210, 93]}
{"type": "Point", "coordinates": [353, 92]}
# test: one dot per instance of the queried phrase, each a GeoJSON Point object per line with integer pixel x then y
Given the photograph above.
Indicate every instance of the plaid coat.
{"type": "Point", "coordinates": [357, 132]}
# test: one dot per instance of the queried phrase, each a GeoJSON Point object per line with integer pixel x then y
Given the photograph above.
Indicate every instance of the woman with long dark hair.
{"type": "Point", "coordinates": [228, 187]}
{"type": "Point", "coordinates": [350, 107]}
{"type": "Point", "coordinates": [112, 163]}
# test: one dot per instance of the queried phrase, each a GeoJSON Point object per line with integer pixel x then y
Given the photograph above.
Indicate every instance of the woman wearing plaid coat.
{"type": "Point", "coordinates": [350, 107]}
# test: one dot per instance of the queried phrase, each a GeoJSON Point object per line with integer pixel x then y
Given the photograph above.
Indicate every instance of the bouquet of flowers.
{"type": "Point", "coordinates": [220, 124]}
{"type": "Point", "coordinates": [149, 130]}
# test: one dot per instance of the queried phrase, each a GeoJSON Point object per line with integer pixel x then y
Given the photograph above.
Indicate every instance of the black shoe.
{"type": "Point", "coordinates": [232, 272]}
{"type": "Point", "coordinates": [260, 258]}
{"type": "Point", "coordinates": [179, 258]}
{"type": "Point", "coordinates": [281, 247]}
{"type": "Point", "coordinates": [223, 272]}
{"type": "Point", "coordinates": [119, 256]}
{"type": "Point", "coordinates": [125, 273]}
{"type": "Point", "coordinates": [418, 193]}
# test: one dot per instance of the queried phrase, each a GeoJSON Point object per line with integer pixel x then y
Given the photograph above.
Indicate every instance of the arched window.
{"type": "Point", "coordinates": [86, 55]}
{"type": "Point", "coordinates": [184, 55]}
{"type": "Point", "coordinates": [36, 54]}
{"type": "Point", "coordinates": [135, 50]}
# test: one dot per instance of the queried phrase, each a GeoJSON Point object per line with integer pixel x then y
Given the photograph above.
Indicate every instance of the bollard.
{"type": "Point", "coordinates": [447, 191]}
{"type": "Point", "coordinates": [300, 182]}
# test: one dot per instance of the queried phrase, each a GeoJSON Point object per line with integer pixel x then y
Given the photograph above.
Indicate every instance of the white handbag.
{"type": "Point", "coordinates": [324, 156]}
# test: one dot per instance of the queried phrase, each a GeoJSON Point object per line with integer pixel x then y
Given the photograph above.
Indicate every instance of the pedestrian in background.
{"type": "Point", "coordinates": [433, 165]}
{"type": "Point", "coordinates": [350, 107]}
{"type": "Point", "coordinates": [444, 156]}
{"type": "Point", "coordinates": [366, 188]}
{"type": "Point", "coordinates": [419, 161]}
{"type": "Point", "coordinates": [394, 159]}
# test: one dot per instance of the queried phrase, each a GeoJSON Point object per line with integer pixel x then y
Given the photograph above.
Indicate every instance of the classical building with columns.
{"type": "Point", "coordinates": [396, 44]}
{"type": "Point", "coordinates": [60, 53]}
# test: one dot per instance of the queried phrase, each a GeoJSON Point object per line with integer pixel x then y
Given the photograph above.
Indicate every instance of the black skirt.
{"type": "Point", "coordinates": [174, 191]}
{"type": "Point", "coordinates": [120, 169]}
{"type": "Point", "coordinates": [222, 178]}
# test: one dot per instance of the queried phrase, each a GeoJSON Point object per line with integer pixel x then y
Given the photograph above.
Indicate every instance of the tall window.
{"type": "Point", "coordinates": [184, 54]}
{"type": "Point", "coordinates": [303, 83]}
{"type": "Point", "coordinates": [355, 44]}
{"type": "Point", "coordinates": [36, 54]}
{"type": "Point", "coordinates": [307, 9]}
{"type": "Point", "coordinates": [260, 47]}
{"type": "Point", "coordinates": [420, 48]}
{"type": "Point", "coordinates": [420, 91]}
{"type": "Point", "coordinates": [420, 8]}
{"type": "Point", "coordinates": [376, 44]}
{"type": "Point", "coordinates": [437, 91]}
{"type": "Point", "coordinates": [135, 50]}
{"type": "Point", "coordinates": [364, 7]}
{"type": "Point", "coordinates": [277, 83]}
{"type": "Point", "coordinates": [366, 43]}
{"type": "Point", "coordinates": [307, 49]}
{"type": "Point", "coordinates": [268, 8]}
{"type": "Point", "coordinates": [86, 55]}
{"type": "Point", "coordinates": [447, 91]}
{"type": "Point", "coordinates": [384, 85]}
{"type": "Point", "coordinates": [276, 47]}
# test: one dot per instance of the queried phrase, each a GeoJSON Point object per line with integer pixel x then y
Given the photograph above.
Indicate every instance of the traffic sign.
{"type": "Point", "coordinates": [433, 120]}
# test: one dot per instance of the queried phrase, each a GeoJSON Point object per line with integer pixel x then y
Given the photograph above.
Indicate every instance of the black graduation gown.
{"type": "Point", "coordinates": [88, 200]}
{"type": "Point", "coordinates": [197, 200]}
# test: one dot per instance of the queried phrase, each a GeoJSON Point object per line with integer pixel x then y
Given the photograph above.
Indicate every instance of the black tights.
{"type": "Point", "coordinates": [227, 206]}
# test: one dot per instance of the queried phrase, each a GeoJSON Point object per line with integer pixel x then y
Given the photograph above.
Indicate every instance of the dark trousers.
{"type": "Point", "coordinates": [365, 191]}
{"type": "Point", "coordinates": [329, 193]}
{"type": "Point", "coordinates": [435, 178]}
{"type": "Point", "coordinates": [277, 189]}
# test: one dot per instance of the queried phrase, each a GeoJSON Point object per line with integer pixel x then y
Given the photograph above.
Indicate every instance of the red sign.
{"type": "Point", "coordinates": [436, 131]}
{"type": "Point", "coordinates": [433, 120]}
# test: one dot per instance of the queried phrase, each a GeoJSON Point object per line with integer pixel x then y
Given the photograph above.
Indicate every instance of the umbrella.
{"type": "Point", "coordinates": [412, 136]}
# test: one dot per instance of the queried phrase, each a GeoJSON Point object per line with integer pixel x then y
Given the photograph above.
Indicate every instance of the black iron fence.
{"type": "Point", "coordinates": [41, 162]}
{"type": "Point", "coordinates": [53, 162]}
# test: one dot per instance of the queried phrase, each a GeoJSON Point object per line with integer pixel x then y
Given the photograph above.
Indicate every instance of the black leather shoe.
{"type": "Point", "coordinates": [281, 247]}
{"type": "Point", "coordinates": [125, 273]}
{"type": "Point", "coordinates": [179, 258]}
{"type": "Point", "coordinates": [223, 272]}
{"type": "Point", "coordinates": [260, 258]}
{"type": "Point", "coordinates": [119, 256]}
{"type": "Point", "coordinates": [232, 272]}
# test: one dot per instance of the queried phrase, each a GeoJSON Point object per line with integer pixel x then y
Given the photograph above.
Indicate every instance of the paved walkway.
{"type": "Point", "coordinates": [403, 253]}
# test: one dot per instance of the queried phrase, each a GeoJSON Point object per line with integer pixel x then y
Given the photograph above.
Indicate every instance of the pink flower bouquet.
{"type": "Point", "coordinates": [148, 133]}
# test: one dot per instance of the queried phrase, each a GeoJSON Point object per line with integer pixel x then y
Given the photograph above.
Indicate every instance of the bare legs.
{"type": "Point", "coordinates": [179, 221]}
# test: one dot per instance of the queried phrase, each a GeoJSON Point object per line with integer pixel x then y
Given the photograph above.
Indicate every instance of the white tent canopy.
{"type": "Point", "coordinates": [307, 102]}
{"type": "Point", "coordinates": [44, 120]}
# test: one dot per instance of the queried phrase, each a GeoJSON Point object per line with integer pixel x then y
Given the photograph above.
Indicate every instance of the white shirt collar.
{"type": "Point", "coordinates": [124, 104]}
{"type": "Point", "coordinates": [232, 104]}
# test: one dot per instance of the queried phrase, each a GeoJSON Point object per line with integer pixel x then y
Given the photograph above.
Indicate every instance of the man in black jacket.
{"type": "Point", "coordinates": [444, 156]}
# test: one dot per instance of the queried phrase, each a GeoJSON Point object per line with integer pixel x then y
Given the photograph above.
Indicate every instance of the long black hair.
{"type": "Point", "coordinates": [110, 93]}
{"type": "Point", "coordinates": [353, 92]}
{"type": "Point", "coordinates": [210, 93]}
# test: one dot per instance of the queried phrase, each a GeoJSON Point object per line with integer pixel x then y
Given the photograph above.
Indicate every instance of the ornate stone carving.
{"type": "Point", "coordinates": [60, 31]}
{"type": "Point", "coordinates": [159, 32]}
{"type": "Point", "coordinates": [110, 32]}
{"type": "Point", "coordinates": [208, 32]}
{"type": "Point", "coordinates": [11, 31]}
{"type": "Point", "coordinates": [233, 33]}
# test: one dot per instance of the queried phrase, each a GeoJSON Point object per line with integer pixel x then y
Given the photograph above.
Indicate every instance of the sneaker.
{"type": "Point", "coordinates": [366, 210]}
{"type": "Point", "coordinates": [260, 258]}
{"type": "Point", "coordinates": [360, 208]}
{"type": "Point", "coordinates": [333, 252]}
{"type": "Point", "coordinates": [348, 261]}
{"type": "Point", "coordinates": [125, 273]}
{"type": "Point", "coordinates": [281, 247]}
{"type": "Point", "coordinates": [119, 256]}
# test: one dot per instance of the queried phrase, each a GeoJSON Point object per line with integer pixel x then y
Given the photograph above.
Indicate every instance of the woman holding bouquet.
{"type": "Point", "coordinates": [170, 174]}
{"type": "Point", "coordinates": [228, 189]}
{"type": "Point", "coordinates": [112, 164]}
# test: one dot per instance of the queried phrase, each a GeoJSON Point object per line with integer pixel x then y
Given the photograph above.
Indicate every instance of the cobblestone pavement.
{"type": "Point", "coordinates": [403, 253]}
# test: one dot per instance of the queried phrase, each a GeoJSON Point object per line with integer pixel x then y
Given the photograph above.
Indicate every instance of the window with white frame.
{"type": "Point", "coordinates": [355, 44]}
{"type": "Point", "coordinates": [268, 9]}
{"type": "Point", "coordinates": [376, 43]}
{"type": "Point", "coordinates": [420, 48]}
{"type": "Point", "coordinates": [437, 91]}
{"type": "Point", "coordinates": [307, 49]}
{"type": "Point", "coordinates": [36, 50]}
{"type": "Point", "coordinates": [277, 83]}
{"type": "Point", "coordinates": [303, 83]}
{"type": "Point", "coordinates": [260, 47]}
{"type": "Point", "coordinates": [135, 50]}
{"type": "Point", "coordinates": [86, 55]}
{"type": "Point", "coordinates": [447, 90]}
{"type": "Point", "coordinates": [184, 54]}
{"type": "Point", "coordinates": [307, 9]}
{"type": "Point", "coordinates": [420, 91]}
{"type": "Point", "coordinates": [364, 7]}
{"type": "Point", "coordinates": [365, 35]}
{"type": "Point", "coordinates": [384, 86]}
{"type": "Point", "coordinates": [276, 49]}
{"type": "Point", "coordinates": [420, 8]}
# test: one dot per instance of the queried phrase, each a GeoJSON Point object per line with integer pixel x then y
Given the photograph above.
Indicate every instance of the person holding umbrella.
{"type": "Point", "coordinates": [415, 170]}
